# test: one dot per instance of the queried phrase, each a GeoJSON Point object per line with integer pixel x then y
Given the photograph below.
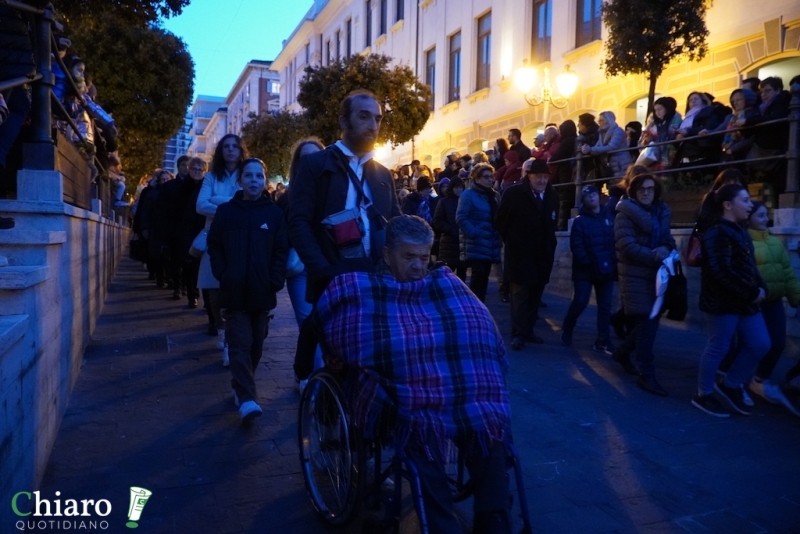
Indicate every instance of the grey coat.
{"type": "Point", "coordinates": [638, 232]}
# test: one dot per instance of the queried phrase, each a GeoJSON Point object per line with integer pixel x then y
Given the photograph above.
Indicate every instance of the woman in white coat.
{"type": "Point", "coordinates": [219, 185]}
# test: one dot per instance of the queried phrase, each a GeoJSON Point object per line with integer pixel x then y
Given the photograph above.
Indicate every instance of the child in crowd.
{"type": "Point", "coordinates": [776, 270]}
{"type": "Point", "coordinates": [248, 247]}
{"type": "Point", "coordinates": [593, 264]}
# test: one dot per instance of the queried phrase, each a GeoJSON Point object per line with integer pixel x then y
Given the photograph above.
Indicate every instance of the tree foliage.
{"type": "Point", "coordinates": [133, 12]}
{"type": "Point", "coordinates": [403, 96]}
{"type": "Point", "coordinates": [144, 77]}
{"type": "Point", "coordinates": [270, 137]}
{"type": "Point", "coordinates": [645, 35]}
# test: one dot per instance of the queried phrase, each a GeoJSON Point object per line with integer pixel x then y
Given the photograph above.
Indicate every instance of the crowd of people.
{"type": "Point", "coordinates": [225, 232]}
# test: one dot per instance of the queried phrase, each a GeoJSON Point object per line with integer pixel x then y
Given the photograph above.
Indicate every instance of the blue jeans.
{"type": "Point", "coordinates": [754, 344]}
{"type": "Point", "coordinates": [775, 320]}
{"type": "Point", "coordinates": [296, 286]}
{"type": "Point", "coordinates": [603, 292]}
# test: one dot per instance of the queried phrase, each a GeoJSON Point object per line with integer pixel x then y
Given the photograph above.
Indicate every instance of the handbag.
{"type": "Point", "coordinates": [676, 297]}
{"type": "Point", "coordinates": [294, 265]}
{"type": "Point", "coordinates": [602, 169]}
{"type": "Point", "coordinates": [693, 253]}
{"type": "Point", "coordinates": [199, 244]}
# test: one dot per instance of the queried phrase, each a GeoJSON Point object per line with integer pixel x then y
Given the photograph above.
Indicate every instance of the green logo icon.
{"type": "Point", "coordinates": [139, 498]}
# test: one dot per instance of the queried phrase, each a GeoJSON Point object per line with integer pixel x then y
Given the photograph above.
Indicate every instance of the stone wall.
{"type": "Point", "coordinates": [60, 261]}
{"type": "Point", "coordinates": [561, 281]}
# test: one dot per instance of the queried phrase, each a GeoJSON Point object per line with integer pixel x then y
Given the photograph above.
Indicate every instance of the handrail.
{"type": "Point", "coordinates": [19, 6]}
{"type": "Point", "coordinates": [15, 82]}
{"type": "Point", "coordinates": [63, 66]}
{"type": "Point", "coordinates": [68, 118]}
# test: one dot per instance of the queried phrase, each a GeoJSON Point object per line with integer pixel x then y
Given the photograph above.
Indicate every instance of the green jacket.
{"type": "Point", "coordinates": [775, 268]}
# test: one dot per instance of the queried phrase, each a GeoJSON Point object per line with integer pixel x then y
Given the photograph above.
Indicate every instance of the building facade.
{"type": "Point", "coordinates": [178, 145]}
{"type": "Point", "coordinates": [255, 91]}
{"type": "Point", "coordinates": [203, 110]}
{"type": "Point", "coordinates": [469, 52]}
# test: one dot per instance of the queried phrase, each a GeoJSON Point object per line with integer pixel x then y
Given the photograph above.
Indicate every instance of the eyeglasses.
{"type": "Point", "coordinates": [650, 189]}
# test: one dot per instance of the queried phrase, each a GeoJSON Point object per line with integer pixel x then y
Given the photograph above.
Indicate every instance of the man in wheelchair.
{"type": "Point", "coordinates": [422, 344]}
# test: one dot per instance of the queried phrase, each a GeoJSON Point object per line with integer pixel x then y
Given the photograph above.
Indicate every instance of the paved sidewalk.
{"type": "Point", "coordinates": [152, 408]}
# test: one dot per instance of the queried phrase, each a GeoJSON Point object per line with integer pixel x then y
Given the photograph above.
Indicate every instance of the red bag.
{"type": "Point", "coordinates": [693, 253]}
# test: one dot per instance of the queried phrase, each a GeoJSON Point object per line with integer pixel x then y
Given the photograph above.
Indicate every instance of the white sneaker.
{"type": "Point", "coordinates": [249, 410]}
{"type": "Point", "coordinates": [235, 397]}
{"type": "Point", "coordinates": [221, 339]}
{"type": "Point", "coordinates": [765, 390]}
{"type": "Point", "coordinates": [226, 361]}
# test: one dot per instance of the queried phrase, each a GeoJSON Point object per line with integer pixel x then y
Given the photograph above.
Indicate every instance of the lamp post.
{"type": "Point", "coordinates": [544, 93]}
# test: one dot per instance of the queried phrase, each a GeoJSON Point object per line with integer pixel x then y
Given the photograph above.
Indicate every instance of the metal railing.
{"type": "Point", "coordinates": [43, 99]}
{"type": "Point", "coordinates": [792, 155]}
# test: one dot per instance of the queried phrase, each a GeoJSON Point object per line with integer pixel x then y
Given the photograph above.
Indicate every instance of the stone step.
{"type": "Point", "coordinates": [16, 277]}
{"type": "Point", "coordinates": [20, 236]}
{"type": "Point", "coordinates": [12, 328]}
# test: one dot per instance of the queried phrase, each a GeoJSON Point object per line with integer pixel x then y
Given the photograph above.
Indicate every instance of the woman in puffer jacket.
{"type": "Point", "coordinates": [479, 239]}
{"type": "Point", "coordinates": [643, 241]}
{"type": "Point", "coordinates": [775, 268]}
{"type": "Point", "coordinates": [731, 290]}
{"type": "Point", "coordinates": [612, 137]}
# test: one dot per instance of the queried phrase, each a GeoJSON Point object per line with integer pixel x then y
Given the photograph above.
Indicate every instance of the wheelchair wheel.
{"type": "Point", "coordinates": [332, 456]}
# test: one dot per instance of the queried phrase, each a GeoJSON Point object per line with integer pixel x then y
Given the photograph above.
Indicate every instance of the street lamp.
{"type": "Point", "coordinates": [525, 80]}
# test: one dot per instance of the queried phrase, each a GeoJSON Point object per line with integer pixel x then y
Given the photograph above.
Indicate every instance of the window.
{"type": "Point", "coordinates": [589, 22]}
{"type": "Point", "coordinates": [400, 9]}
{"type": "Point", "coordinates": [454, 83]}
{"type": "Point", "coordinates": [328, 52]}
{"type": "Point", "coordinates": [338, 45]}
{"type": "Point", "coordinates": [430, 72]}
{"type": "Point", "coordinates": [368, 25]}
{"type": "Point", "coordinates": [542, 30]}
{"type": "Point", "coordinates": [484, 63]}
{"type": "Point", "coordinates": [348, 47]}
{"type": "Point", "coordinates": [384, 16]}
{"type": "Point", "coordinates": [308, 53]}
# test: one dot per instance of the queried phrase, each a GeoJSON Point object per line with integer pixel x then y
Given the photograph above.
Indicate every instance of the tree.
{"type": "Point", "coordinates": [270, 137]}
{"type": "Point", "coordinates": [145, 78]}
{"type": "Point", "coordinates": [403, 96]}
{"type": "Point", "coordinates": [133, 12]}
{"type": "Point", "coordinates": [645, 35]}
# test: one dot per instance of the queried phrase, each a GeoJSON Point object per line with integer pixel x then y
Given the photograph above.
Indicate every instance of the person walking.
{"type": "Point", "coordinates": [593, 265]}
{"type": "Point", "coordinates": [526, 220]}
{"type": "Point", "coordinates": [776, 270]}
{"type": "Point", "coordinates": [479, 241]}
{"type": "Point", "coordinates": [731, 290]}
{"type": "Point", "coordinates": [341, 199]}
{"type": "Point", "coordinates": [219, 185]}
{"type": "Point", "coordinates": [643, 241]}
{"type": "Point", "coordinates": [247, 249]}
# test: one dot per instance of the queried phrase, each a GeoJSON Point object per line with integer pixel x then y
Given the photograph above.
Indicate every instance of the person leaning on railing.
{"type": "Point", "coordinates": [737, 143]}
{"type": "Point", "coordinates": [662, 126]}
{"type": "Point", "coordinates": [772, 139]}
{"type": "Point", "coordinates": [612, 137]}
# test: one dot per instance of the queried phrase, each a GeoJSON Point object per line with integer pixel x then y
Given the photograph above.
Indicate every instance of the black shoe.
{"type": "Point", "coordinates": [710, 405]}
{"type": "Point", "coordinates": [6, 223]}
{"type": "Point", "coordinates": [533, 338]}
{"type": "Point", "coordinates": [618, 324]}
{"type": "Point", "coordinates": [212, 330]}
{"type": "Point", "coordinates": [603, 346]}
{"type": "Point", "coordinates": [193, 304]}
{"type": "Point", "coordinates": [517, 343]}
{"type": "Point", "coordinates": [625, 361]}
{"type": "Point", "coordinates": [651, 385]}
{"type": "Point", "coordinates": [504, 296]}
{"type": "Point", "coordinates": [733, 396]}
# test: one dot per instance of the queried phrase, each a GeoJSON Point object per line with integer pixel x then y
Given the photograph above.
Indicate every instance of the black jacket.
{"type": "Point", "coordinates": [248, 246]}
{"type": "Point", "coordinates": [191, 222]}
{"type": "Point", "coordinates": [774, 136]}
{"type": "Point", "coordinates": [592, 244]}
{"type": "Point", "coordinates": [320, 189]}
{"type": "Point", "coordinates": [413, 201]}
{"type": "Point", "coordinates": [527, 227]}
{"type": "Point", "coordinates": [522, 151]}
{"type": "Point", "coordinates": [730, 281]}
{"type": "Point", "coordinates": [444, 224]}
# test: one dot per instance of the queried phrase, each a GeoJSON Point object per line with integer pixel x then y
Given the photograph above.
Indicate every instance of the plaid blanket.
{"type": "Point", "coordinates": [429, 350]}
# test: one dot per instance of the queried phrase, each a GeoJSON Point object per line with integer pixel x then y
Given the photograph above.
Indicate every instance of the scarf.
{"type": "Point", "coordinates": [489, 193]}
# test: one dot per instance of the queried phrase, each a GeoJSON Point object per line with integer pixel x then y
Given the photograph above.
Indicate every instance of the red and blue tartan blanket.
{"type": "Point", "coordinates": [429, 350]}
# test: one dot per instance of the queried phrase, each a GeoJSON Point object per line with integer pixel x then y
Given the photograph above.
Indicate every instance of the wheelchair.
{"type": "Point", "coordinates": [343, 472]}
